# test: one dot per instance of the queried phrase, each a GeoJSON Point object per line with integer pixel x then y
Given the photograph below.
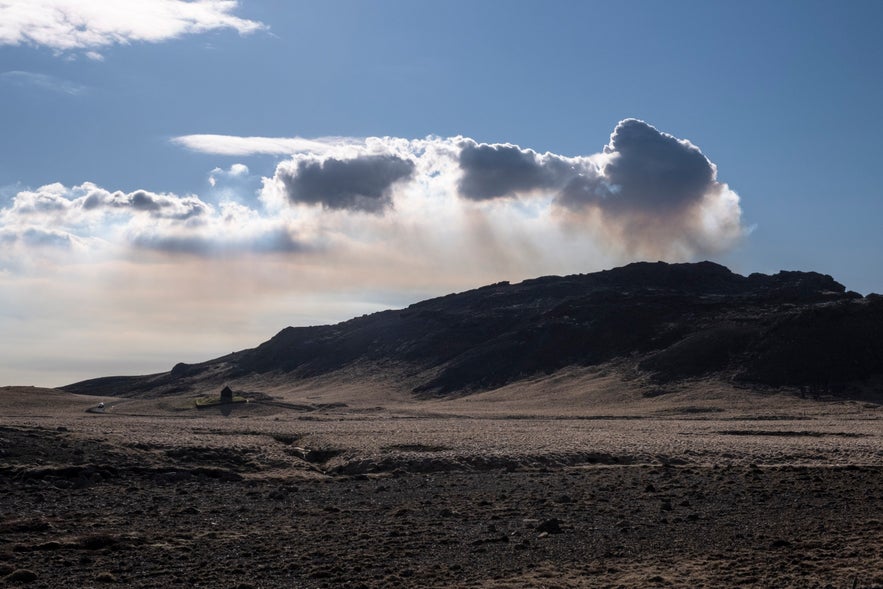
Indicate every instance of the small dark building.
{"type": "Point", "coordinates": [227, 395]}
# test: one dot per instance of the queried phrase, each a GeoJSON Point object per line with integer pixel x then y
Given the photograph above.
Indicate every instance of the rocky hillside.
{"type": "Point", "coordinates": [669, 321]}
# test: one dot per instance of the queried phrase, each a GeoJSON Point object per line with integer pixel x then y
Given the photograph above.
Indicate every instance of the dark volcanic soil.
{"type": "Point", "coordinates": [87, 510]}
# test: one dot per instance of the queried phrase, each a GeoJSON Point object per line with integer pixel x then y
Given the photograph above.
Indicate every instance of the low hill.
{"type": "Point", "coordinates": [665, 321]}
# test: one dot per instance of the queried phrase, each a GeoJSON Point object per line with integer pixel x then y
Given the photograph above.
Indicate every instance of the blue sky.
{"type": "Point", "coordinates": [399, 150]}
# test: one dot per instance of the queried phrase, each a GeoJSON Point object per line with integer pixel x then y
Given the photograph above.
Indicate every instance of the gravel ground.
{"type": "Point", "coordinates": [341, 498]}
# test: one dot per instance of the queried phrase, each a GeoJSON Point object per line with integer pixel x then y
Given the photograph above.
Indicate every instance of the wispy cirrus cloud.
{"type": "Point", "coordinates": [70, 25]}
{"type": "Point", "coordinates": [243, 146]}
{"type": "Point", "coordinates": [43, 82]}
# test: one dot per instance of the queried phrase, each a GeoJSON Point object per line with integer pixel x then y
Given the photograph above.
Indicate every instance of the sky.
{"type": "Point", "coordinates": [181, 179]}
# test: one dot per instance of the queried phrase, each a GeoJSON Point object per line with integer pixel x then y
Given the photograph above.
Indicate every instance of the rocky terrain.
{"type": "Point", "coordinates": [781, 492]}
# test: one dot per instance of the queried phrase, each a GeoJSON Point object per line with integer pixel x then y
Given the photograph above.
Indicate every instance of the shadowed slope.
{"type": "Point", "coordinates": [671, 321]}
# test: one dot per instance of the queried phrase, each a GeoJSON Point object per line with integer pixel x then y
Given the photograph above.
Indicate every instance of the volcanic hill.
{"type": "Point", "coordinates": [665, 322]}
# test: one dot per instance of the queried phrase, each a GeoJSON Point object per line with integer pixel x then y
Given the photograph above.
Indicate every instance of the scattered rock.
{"type": "Point", "coordinates": [278, 494]}
{"type": "Point", "coordinates": [106, 577]}
{"type": "Point", "coordinates": [97, 541]}
{"type": "Point", "coordinates": [501, 539]}
{"type": "Point", "coordinates": [315, 456]}
{"type": "Point", "coordinates": [21, 576]}
{"type": "Point", "coordinates": [550, 526]}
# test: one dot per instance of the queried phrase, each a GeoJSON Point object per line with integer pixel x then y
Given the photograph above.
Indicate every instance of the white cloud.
{"type": "Point", "coordinates": [242, 146]}
{"type": "Point", "coordinates": [67, 25]}
{"type": "Point", "coordinates": [49, 221]}
{"type": "Point", "coordinates": [238, 170]}
{"type": "Point", "coordinates": [233, 183]}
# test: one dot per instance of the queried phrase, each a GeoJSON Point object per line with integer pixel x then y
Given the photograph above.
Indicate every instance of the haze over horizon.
{"type": "Point", "coordinates": [184, 179]}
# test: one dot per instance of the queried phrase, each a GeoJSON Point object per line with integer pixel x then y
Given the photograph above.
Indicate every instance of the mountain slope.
{"type": "Point", "coordinates": [670, 321]}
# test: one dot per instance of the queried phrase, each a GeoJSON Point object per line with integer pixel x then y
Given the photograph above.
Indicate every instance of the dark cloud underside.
{"type": "Point", "coordinates": [644, 171]}
{"type": "Point", "coordinates": [37, 238]}
{"type": "Point", "coordinates": [278, 241]}
{"type": "Point", "coordinates": [363, 183]}
{"type": "Point", "coordinates": [655, 171]}
{"type": "Point", "coordinates": [494, 171]}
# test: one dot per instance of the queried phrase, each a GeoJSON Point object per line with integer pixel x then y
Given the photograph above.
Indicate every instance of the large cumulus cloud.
{"type": "Point", "coordinates": [646, 193]}
{"type": "Point", "coordinates": [650, 192]}
{"type": "Point", "coordinates": [641, 171]}
{"type": "Point", "coordinates": [644, 170]}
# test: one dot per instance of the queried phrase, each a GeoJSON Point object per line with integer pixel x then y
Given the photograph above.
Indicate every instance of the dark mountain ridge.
{"type": "Point", "coordinates": [669, 321]}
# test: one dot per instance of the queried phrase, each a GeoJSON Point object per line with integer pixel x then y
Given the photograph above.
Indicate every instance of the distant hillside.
{"type": "Point", "coordinates": [668, 321]}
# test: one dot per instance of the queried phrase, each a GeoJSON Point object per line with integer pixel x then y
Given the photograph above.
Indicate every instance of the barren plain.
{"type": "Point", "coordinates": [599, 482]}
